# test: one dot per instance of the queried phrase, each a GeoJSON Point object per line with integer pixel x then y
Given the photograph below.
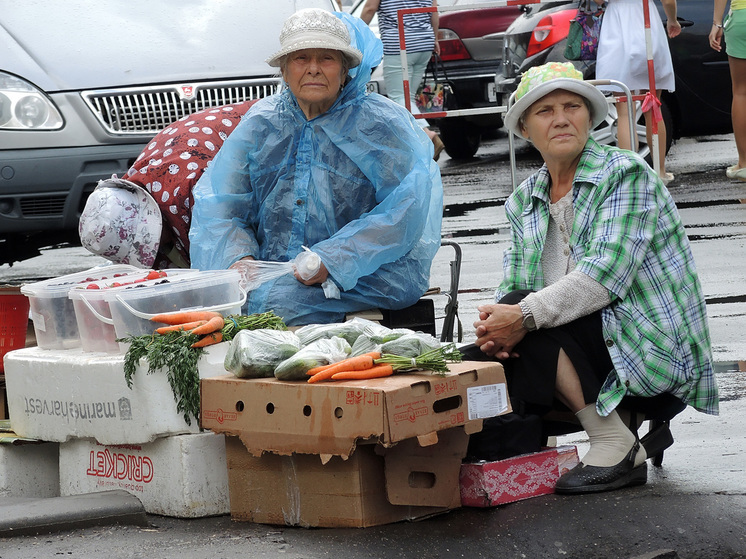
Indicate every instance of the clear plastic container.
{"type": "Point", "coordinates": [92, 311]}
{"type": "Point", "coordinates": [132, 308]}
{"type": "Point", "coordinates": [52, 311]}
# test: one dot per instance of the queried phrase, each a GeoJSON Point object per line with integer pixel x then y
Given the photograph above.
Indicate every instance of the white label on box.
{"type": "Point", "coordinates": [487, 401]}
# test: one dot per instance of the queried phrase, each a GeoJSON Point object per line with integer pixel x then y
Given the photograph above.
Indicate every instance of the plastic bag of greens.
{"type": "Point", "coordinates": [256, 353]}
{"type": "Point", "coordinates": [348, 331]}
{"type": "Point", "coordinates": [320, 352]}
{"type": "Point", "coordinates": [364, 344]}
{"type": "Point", "coordinates": [411, 344]}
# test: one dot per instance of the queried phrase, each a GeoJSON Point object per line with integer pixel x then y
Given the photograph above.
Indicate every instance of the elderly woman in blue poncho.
{"type": "Point", "coordinates": [327, 166]}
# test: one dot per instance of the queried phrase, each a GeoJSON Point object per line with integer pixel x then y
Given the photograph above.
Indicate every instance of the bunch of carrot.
{"type": "Point", "coordinates": [206, 324]}
{"type": "Point", "coordinates": [376, 365]}
{"type": "Point", "coordinates": [354, 368]}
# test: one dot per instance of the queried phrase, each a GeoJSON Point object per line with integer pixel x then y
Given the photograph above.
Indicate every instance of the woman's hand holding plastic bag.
{"type": "Point", "coordinates": [307, 268]}
{"type": "Point", "coordinates": [255, 272]}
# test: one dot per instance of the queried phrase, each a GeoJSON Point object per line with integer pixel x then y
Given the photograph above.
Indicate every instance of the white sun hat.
{"type": "Point", "coordinates": [121, 222]}
{"type": "Point", "coordinates": [543, 80]}
{"type": "Point", "coordinates": [314, 28]}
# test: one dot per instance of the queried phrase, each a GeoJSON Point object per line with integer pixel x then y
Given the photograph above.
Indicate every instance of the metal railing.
{"type": "Point", "coordinates": [503, 108]}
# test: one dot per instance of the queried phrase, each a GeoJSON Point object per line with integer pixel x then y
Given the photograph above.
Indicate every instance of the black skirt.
{"type": "Point", "coordinates": [532, 376]}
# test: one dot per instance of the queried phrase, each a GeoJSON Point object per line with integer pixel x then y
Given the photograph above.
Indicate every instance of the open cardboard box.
{"type": "Point", "coordinates": [375, 485]}
{"type": "Point", "coordinates": [350, 454]}
{"type": "Point", "coordinates": [328, 419]}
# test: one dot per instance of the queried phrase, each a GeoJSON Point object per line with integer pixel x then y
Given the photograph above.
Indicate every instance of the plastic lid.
{"type": "Point", "coordinates": [99, 289]}
{"type": "Point", "coordinates": [60, 286]}
{"type": "Point", "coordinates": [196, 280]}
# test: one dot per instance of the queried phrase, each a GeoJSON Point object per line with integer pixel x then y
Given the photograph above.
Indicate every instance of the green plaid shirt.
{"type": "Point", "coordinates": [628, 236]}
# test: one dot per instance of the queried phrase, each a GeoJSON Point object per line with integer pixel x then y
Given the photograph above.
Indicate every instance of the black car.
{"type": "Point", "coordinates": [699, 106]}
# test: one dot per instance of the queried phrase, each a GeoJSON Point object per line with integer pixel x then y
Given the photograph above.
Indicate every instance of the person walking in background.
{"type": "Point", "coordinates": [733, 26]}
{"type": "Point", "coordinates": [623, 38]}
{"type": "Point", "coordinates": [421, 35]}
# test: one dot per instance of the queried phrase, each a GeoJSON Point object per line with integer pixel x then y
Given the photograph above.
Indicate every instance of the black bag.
{"type": "Point", "coordinates": [435, 93]}
{"type": "Point", "coordinates": [585, 28]}
{"type": "Point", "coordinates": [505, 436]}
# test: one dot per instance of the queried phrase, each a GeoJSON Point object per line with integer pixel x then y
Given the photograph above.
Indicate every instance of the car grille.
{"type": "Point", "coordinates": [53, 206]}
{"type": "Point", "coordinates": [148, 110]}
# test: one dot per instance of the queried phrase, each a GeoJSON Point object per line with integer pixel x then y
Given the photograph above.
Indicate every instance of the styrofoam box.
{"type": "Point", "coordinates": [57, 395]}
{"type": "Point", "coordinates": [184, 476]}
{"type": "Point", "coordinates": [29, 470]}
{"type": "Point", "coordinates": [53, 312]}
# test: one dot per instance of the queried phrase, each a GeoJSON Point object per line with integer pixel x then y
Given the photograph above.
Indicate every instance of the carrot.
{"type": "Point", "coordinates": [210, 339]}
{"type": "Point", "coordinates": [377, 371]}
{"type": "Point", "coordinates": [363, 361]}
{"type": "Point", "coordinates": [184, 317]}
{"type": "Point", "coordinates": [212, 325]}
{"type": "Point", "coordinates": [323, 375]}
{"type": "Point", "coordinates": [176, 327]}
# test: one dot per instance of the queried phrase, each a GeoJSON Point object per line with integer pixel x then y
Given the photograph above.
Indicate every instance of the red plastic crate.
{"type": "Point", "coordinates": [14, 309]}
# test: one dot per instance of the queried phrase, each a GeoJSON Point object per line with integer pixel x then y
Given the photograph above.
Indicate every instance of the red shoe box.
{"type": "Point", "coordinates": [487, 484]}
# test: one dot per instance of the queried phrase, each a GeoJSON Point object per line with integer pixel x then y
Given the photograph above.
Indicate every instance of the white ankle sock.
{"type": "Point", "coordinates": [611, 440]}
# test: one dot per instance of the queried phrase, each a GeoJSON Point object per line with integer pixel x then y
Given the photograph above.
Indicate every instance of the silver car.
{"type": "Point", "coordinates": [85, 84]}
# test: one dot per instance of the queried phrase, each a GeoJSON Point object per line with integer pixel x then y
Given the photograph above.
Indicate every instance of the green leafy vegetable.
{"type": "Point", "coordinates": [433, 360]}
{"type": "Point", "coordinates": [235, 323]}
{"type": "Point", "coordinates": [173, 353]}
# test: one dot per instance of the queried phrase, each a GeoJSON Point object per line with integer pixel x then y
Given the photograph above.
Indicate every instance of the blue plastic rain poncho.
{"type": "Point", "coordinates": [357, 185]}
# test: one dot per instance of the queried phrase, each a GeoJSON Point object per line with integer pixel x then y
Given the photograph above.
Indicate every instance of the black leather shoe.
{"type": "Point", "coordinates": [594, 479]}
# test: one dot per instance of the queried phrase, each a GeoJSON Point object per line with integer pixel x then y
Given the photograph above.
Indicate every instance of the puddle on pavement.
{"type": "Point", "coordinates": [461, 209]}
{"type": "Point", "coordinates": [708, 203]}
{"type": "Point", "coordinates": [731, 380]}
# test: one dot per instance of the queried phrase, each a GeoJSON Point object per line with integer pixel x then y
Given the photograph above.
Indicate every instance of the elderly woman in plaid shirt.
{"type": "Point", "coordinates": [600, 300]}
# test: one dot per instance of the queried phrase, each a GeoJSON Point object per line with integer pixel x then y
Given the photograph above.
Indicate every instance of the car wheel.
{"type": "Point", "coordinates": [460, 137]}
{"type": "Point", "coordinates": [606, 132]}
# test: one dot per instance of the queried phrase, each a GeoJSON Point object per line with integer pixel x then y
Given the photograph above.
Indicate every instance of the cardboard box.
{"type": "Point", "coordinates": [184, 476]}
{"type": "Point", "coordinates": [375, 485]}
{"type": "Point", "coordinates": [487, 484]}
{"type": "Point", "coordinates": [29, 470]}
{"type": "Point", "coordinates": [330, 418]}
{"type": "Point", "coordinates": [57, 395]}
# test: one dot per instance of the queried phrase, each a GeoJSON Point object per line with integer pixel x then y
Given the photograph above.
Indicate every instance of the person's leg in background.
{"type": "Point", "coordinates": [392, 76]}
{"type": "Point", "coordinates": [625, 135]}
{"type": "Point", "coordinates": [738, 113]}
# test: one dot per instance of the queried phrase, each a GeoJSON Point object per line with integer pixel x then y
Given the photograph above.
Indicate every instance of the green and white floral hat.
{"type": "Point", "coordinates": [543, 80]}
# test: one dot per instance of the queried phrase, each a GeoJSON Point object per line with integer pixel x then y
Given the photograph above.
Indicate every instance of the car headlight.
{"type": "Point", "coordinates": [24, 107]}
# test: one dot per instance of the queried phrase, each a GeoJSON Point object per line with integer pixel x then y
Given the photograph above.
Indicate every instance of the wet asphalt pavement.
{"type": "Point", "coordinates": [692, 507]}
